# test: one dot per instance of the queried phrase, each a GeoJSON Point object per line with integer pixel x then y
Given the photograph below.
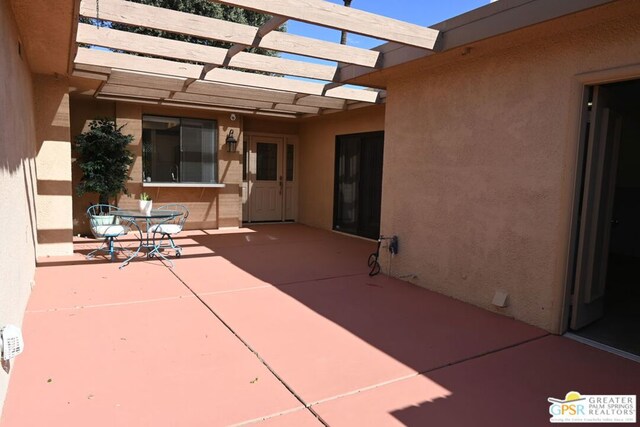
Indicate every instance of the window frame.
{"type": "Point", "coordinates": [179, 182]}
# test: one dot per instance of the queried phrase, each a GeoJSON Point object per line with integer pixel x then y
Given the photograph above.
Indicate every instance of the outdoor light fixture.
{"type": "Point", "coordinates": [232, 142]}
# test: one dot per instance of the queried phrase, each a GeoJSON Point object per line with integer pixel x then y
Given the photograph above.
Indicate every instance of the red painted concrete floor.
{"type": "Point", "coordinates": [280, 325]}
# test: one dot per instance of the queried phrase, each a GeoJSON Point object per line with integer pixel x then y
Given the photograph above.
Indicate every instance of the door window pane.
{"type": "Point", "coordinates": [266, 161]}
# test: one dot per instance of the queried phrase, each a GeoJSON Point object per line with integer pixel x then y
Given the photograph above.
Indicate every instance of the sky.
{"type": "Point", "coordinates": [421, 12]}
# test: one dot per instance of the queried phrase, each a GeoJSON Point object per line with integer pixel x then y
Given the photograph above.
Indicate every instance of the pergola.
{"type": "Point", "coordinates": [217, 79]}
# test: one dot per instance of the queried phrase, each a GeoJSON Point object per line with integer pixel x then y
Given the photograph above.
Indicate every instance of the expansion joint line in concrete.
{"type": "Point", "coordinates": [486, 353]}
{"type": "Point", "coordinates": [417, 374]}
{"type": "Point", "coordinates": [248, 346]}
{"type": "Point", "coordinates": [321, 279]}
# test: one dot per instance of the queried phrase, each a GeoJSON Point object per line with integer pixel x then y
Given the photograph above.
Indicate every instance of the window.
{"type": "Point", "coordinates": [179, 150]}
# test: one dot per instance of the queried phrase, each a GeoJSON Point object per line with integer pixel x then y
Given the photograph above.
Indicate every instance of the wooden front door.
{"type": "Point", "coordinates": [271, 179]}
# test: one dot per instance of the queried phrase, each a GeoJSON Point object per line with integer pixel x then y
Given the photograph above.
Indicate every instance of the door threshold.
{"type": "Point", "coordinates": [368, 239]}
{"type": "Point", "coordinates": [602, 347]}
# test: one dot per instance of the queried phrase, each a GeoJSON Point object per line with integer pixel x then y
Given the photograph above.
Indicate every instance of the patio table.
{"type": "Point", "coordinates": [147, 242]}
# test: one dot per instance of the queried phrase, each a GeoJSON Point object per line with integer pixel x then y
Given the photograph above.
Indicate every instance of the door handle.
{"type": "Point", "coordinates": [280, 183]}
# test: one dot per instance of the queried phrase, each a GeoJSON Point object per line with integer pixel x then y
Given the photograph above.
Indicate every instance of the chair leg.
{"type": "Point", "coordinates": [112, 251]}
{"type": "Point", "coordinates": [100, 248]}
{"type": "Point", "coordinates": [109, 247]}
{"type": "Point", "coordinates": [175, 247]}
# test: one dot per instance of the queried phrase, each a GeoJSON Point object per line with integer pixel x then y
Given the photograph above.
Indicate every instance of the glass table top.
{"type": "Point", "coordinates": [155, 213]}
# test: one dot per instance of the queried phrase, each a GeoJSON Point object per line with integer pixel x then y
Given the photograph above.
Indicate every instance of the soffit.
{"type": "Point", "coordinates": [47, 31]}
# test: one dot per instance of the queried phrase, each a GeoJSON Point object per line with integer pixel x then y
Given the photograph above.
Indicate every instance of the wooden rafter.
{"type": "Point", "coordinates": [230, 91]}
{"type": "Point", "coordinates": [200, 90]}
{"type": "Point", "coordinates": [209, 78]}
{"type": "Point", "coordinates": [297, 108]}
{"type": "Point", "coordinates": [321, 101]}
{"type": "Point", "coordinates": [152, 81]}
{"type": "Point", "coordinates": [114, 89]}
{"type": "Point", "coordinates": [216, 29]}
{"type": "Point", "coordinates": [156, 46]}
{"type": "Point", "coordinates": [94, 57]}
{"type": "Point", "coordinates": [220, 100]}
{"type": "Point", "coordinates": [271, 25]}
{"type": "Point", "coordinates": [139, 95]}
{"type": "Point", "coordinates": [343, 18]}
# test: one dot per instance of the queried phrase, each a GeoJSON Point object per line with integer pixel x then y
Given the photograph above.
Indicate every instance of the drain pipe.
{"type": "Point", "coordinates": [373, 263]}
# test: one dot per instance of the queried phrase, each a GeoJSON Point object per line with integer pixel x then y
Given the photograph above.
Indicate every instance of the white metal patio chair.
{"type": "Point", "coordinates": [168, 228]}
{"type": "Point", "coordinates": [106, 226]}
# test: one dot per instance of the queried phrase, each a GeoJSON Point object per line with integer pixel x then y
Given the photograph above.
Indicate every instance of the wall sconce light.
{"type": "Point", "coordinates": [232, 142]}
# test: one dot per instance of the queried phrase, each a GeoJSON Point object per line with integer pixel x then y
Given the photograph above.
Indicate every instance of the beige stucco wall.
{"type": "Point", "coordinates": [53, 166]}
{"type": "Point", "coordinates": [17, 180]}
{"type": "Point", "coordinates": [83, 110]}
{"type": "Point", "coordinates": [479, 163]}
{"type": "Point", "coordinates": [272, 126]}
{"type": "Point", "coordinates": [317, 159]}
{"type": "Point", "coordinates": [208, 207]}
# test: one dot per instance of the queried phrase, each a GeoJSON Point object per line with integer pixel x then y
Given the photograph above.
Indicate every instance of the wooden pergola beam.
{"type": "Point", "coordinates": [297, 108]}
{"type": "Point", "coordinates": [342, 18]}
{"type": "Point", "coordinates": [272, 24]}
{"type": "Point", "coordinates": [152, 81]}
{"type": "Point", "coordinates": [230, 91]}
{"type": "Point", "coordinates": [137, 14]}
{"type": "Point", "coordinates": [205, 106]}
{"type": "Point", "coordinates": [94, 57]}
{"type": "Point", "coordinates": [156, 46]}
{"type": "Point", "coordinates": [321, 101]}
{"type": "Point", "coordinates": [132, 84]}
{"type": "Point", "coordinates": [220, 100]}
{"type": "Point", "coordinates": [149, 45]}
{"type": "Point", "coordinates": [115, 89]}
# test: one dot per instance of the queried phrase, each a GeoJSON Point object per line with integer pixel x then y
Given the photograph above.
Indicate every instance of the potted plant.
{"type": "Point", "coordinates": [145, 203]}
{"type": "Point", "coordinates": [104, 159]}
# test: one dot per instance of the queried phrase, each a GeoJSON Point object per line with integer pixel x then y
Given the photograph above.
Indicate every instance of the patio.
{"type": "Point", "coordinates": [280, 325]}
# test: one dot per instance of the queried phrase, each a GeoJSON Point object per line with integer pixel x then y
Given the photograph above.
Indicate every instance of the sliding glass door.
{"type": "Point", "coordinates": [358, 184]}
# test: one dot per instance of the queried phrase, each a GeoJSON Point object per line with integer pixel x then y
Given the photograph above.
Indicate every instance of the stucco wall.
{"type": "Point", "coordinates": [208, 207]}
{"type": "Point", "coordinates": [53, 166]}
{"type": "Point", "coordinates": [270, 125]}
{"type": "Point", "coordinates": [480, 161]}
{"type": "Point", "coordinates": [317, 157]}
{"type": "Point", "coordinates": [17, 180]}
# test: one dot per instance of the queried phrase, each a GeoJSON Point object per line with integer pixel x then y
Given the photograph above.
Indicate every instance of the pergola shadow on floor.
{"type": "Point", "coordinates": [281, 325]}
